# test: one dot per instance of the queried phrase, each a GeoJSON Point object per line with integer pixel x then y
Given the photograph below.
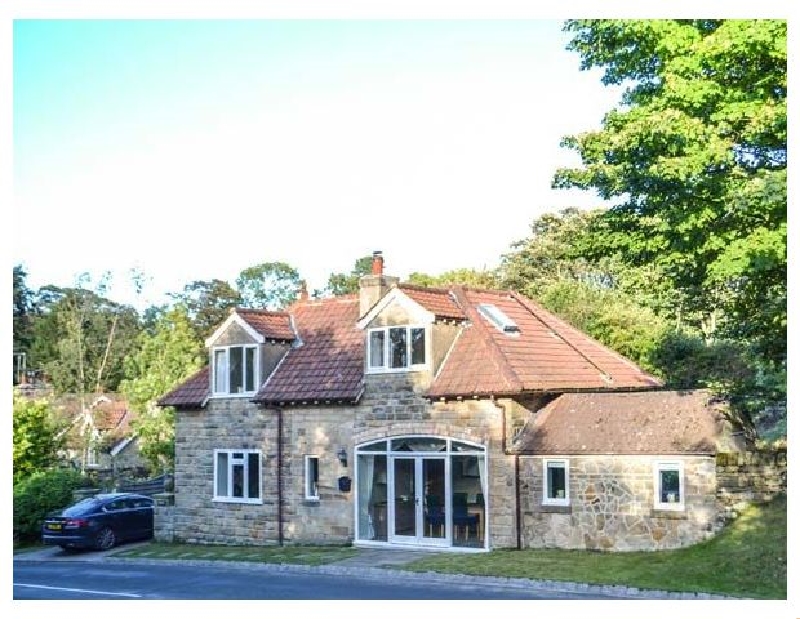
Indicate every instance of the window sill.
{"type": "Point", "coordinates": [239, 501]}
{"type": "Point", "coordinates": [555, 508]}
{"type": "Point", "coordinates": [673, 513]}
{"type": "Point", "coordinates": [311, 501]}
{"type": "Point", "coordinates": [413, 368]}
{"type": "Point", "coordinates": [249, 394]}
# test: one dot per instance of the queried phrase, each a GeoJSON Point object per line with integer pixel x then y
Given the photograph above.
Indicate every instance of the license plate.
{"type": "Point", "coordinates": [54, 527]}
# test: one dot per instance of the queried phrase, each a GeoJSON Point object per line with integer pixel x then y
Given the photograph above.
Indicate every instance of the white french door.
{"type": "Point", "coordinates": [418, 507]}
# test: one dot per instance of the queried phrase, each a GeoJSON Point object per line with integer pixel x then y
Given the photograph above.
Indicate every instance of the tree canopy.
{"type": "Point", "coordinates": [269, 285]}
{"type": "Point", "coordinates": [347, 283]}
{"type": "Point", "coordinates": [161, 360]}
{"type": "Point", "coordinates": [208, 303]}
{"type": "Point", "coordinates": [36, 437]}
{"type": "Point", "coordinates": [693, 161]}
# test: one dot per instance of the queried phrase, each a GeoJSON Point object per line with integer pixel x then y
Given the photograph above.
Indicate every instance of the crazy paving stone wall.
{"type": "Point", "coordinates": [612, 505]}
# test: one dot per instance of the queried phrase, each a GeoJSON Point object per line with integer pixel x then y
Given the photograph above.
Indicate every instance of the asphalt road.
{"type": "Point", "coordinates": [108, 580]}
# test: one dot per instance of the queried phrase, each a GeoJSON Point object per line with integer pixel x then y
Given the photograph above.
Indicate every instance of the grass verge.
{"type": "Point", "coordinates": [298, 555]}
{"type": "Point", "coordinates": [747, 559]}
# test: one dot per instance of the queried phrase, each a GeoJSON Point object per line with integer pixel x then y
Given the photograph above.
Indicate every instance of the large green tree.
{"type": "Point", "coordinates": [37, 437]}
{"type": "Point", "coordinates": [81, 339]}
{"type": "Point", "coordinates": [208, 303]}
{"type": "Point", "coordinates": [162, 359]}
{"type": "Point", "coordinates": [269, 285]}
{"type": "Point", "coordinates": [693, 161]}
{"type": "Point", "coordinates": [465, 277]}
{"type": "Point", "coordinates": [347, 283]}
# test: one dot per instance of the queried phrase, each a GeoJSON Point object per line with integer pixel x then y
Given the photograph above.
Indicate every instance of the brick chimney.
{"type": "Point", "coordinates": [303, 296]}
{"type": "Point", "coordinates": [373, 287]}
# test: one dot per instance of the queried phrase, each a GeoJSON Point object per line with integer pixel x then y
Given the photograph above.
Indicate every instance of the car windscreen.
{"type": "Point", "coordinates": [86, 506]}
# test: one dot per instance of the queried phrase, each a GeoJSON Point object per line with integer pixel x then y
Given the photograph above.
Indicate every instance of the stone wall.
{"type": "Point", "coordinates": [229, 423]}
{"type": "Point", "coordinates": [612, 505]}
{"type": "Point", "coordinates": [748, 477]}
{"type": "Point", "coordinates": [392, 405]}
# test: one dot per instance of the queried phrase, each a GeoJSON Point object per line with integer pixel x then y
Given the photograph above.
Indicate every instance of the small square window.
{"type": "Point", "coordinates": [668, 485]}
{"type": "Point", "coordinates": [556, 482]}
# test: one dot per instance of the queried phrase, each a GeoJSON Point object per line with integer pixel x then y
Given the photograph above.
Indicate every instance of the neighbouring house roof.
{"type": "Point", "coordinates": [545, 354]}
{"type": "Point", "coordinates": [329, 365]}
{"type": "Point", "coordinates": [439, 301]}
{"type": "Point", "coordinates": [191, 393]}
{"type": "Point", "coordinates": [650, 422]}
{"type": "Point", "coordinates": [272, 325]}
{"type": "Point", "coordinates": [112, 414]}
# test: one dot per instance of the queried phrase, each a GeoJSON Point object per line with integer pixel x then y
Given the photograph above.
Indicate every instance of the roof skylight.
{"type": "Point", "coordinates": [498, 318]}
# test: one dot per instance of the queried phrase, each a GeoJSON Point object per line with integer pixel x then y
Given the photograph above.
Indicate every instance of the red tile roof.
{"type": "Point", "coordinates": [650, 422]}
{"type": "Point", "coordinates": [191, 393]}
{"type": "Point", "coordinates": [546, 355]}
{"type": "Point", "coordinates": [438, 301]}
{"type": "Point", "coordinates": [272, 325]}
{"type": "Point", "coordinates": [329, 365]}
{"type": "Point", "coordinates": [113, 415]}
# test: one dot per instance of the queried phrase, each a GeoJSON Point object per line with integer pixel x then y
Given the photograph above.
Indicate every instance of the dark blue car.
{"type": "Point", "coordinates": [101, 522]}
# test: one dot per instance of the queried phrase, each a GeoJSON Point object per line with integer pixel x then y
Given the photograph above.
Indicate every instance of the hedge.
{"type": "Point", "coordinates": [38, 495]}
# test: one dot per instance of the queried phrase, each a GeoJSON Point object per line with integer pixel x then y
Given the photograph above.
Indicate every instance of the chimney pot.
{"type": "Point", "coordinates": [377, 263]}
{"type": "Point", "coordinates": [303, 290]}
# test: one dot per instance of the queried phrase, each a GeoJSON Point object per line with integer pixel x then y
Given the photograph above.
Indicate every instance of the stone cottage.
{"type": "Point", "coordinates": [424, 417]}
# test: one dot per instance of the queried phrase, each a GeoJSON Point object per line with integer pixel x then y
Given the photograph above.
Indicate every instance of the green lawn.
{"type": "Point", "coordinates": [747, 559]}
{"type": "Point", "coordinates": [299, 555]}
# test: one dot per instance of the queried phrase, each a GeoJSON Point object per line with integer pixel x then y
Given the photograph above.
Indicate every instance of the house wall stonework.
{"type": "Point", "coordinates": [226, 423]}
{"type": "Point", "coordinates": [391, 406]}
{"type": "Point", "coordinates": [612, 505]}
{"type": "Point", "coordinates": [748, 477]}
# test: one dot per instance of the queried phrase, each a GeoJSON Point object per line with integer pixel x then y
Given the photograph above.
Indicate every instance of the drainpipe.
{"type": "Point", "coordinates": [280, 476]}
{"type": "Point", "coordinates": [517, 501]}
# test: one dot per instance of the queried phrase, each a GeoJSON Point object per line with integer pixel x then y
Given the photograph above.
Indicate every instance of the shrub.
{"type": "Point", "coordinates": [38, 495]}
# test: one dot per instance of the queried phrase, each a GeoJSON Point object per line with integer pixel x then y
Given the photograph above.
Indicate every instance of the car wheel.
{"type": "Point", "coordinates": [106, 539]}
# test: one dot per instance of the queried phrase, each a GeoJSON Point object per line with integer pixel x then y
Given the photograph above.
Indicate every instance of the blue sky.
{"type": "Point", "coordinates": [194, 149]}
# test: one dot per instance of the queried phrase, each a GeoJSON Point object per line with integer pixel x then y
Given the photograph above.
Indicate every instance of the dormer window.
{"type": "Point", "coordinates": [392, 349]}
{"type": "Point", "coordinates": [235, 370]}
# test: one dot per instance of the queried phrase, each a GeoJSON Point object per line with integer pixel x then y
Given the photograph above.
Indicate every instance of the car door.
{"type": "Point", "coordinates": [115, 515]}
{"type": "Point", "coordinates": [142, 515]}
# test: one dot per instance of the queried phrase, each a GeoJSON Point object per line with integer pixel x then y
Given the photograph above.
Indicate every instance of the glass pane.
{"type": "Point", "coordinates": [556, 481]}
{"type": "Point", "coordinates": [469, 512]}
{"type": "Point", "coordinates": [376, 344]}
{"type": "Point", "coordinates": [398, 348]}
{"type": "Point", "coordinates": [312, 477]}
{"type": "Point", "coordinates": [372, 508]}
{"type": "Point", "coordinates": [670, 486]}
{"type": "Point", "coordinates": [219, 371]}
{"type": "Point", "coordinates": [253, 478]}
{"type": "Point", "coordinates": [419, 443]}
{"type": "Point", "coordinates": [377, 446]}
{"type": "Point", "coordinates": [433, 480]}
{"type": "Point", "coordinates": [236, 383]}
{"type": "Point", "coordinates": [417, 346]}
{"type": "Point", "coordinates": [457, 446]}
{"type": "Point", "coordinates": [250, 369]}
{"type": "Point", "coordinates": [222, 474]}
{"type": "Point", "coordinates": [238, 481]}
{"type": "Point", "coordinates": [404, 497]}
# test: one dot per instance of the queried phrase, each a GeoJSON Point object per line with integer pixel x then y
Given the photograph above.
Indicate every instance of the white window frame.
{"type": "Point", "coordinates": [546, 500]}
{"type": "Point", "coordinates": [383, 369]}
{"type": "Point", "coordinates": [668, 465]}
{"type": "Point", "coordinates": [229, 498]}
{"type": "Point", "coordinates": [227, 378]}
{"type": "Point", "coordinates": [307, 479]}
